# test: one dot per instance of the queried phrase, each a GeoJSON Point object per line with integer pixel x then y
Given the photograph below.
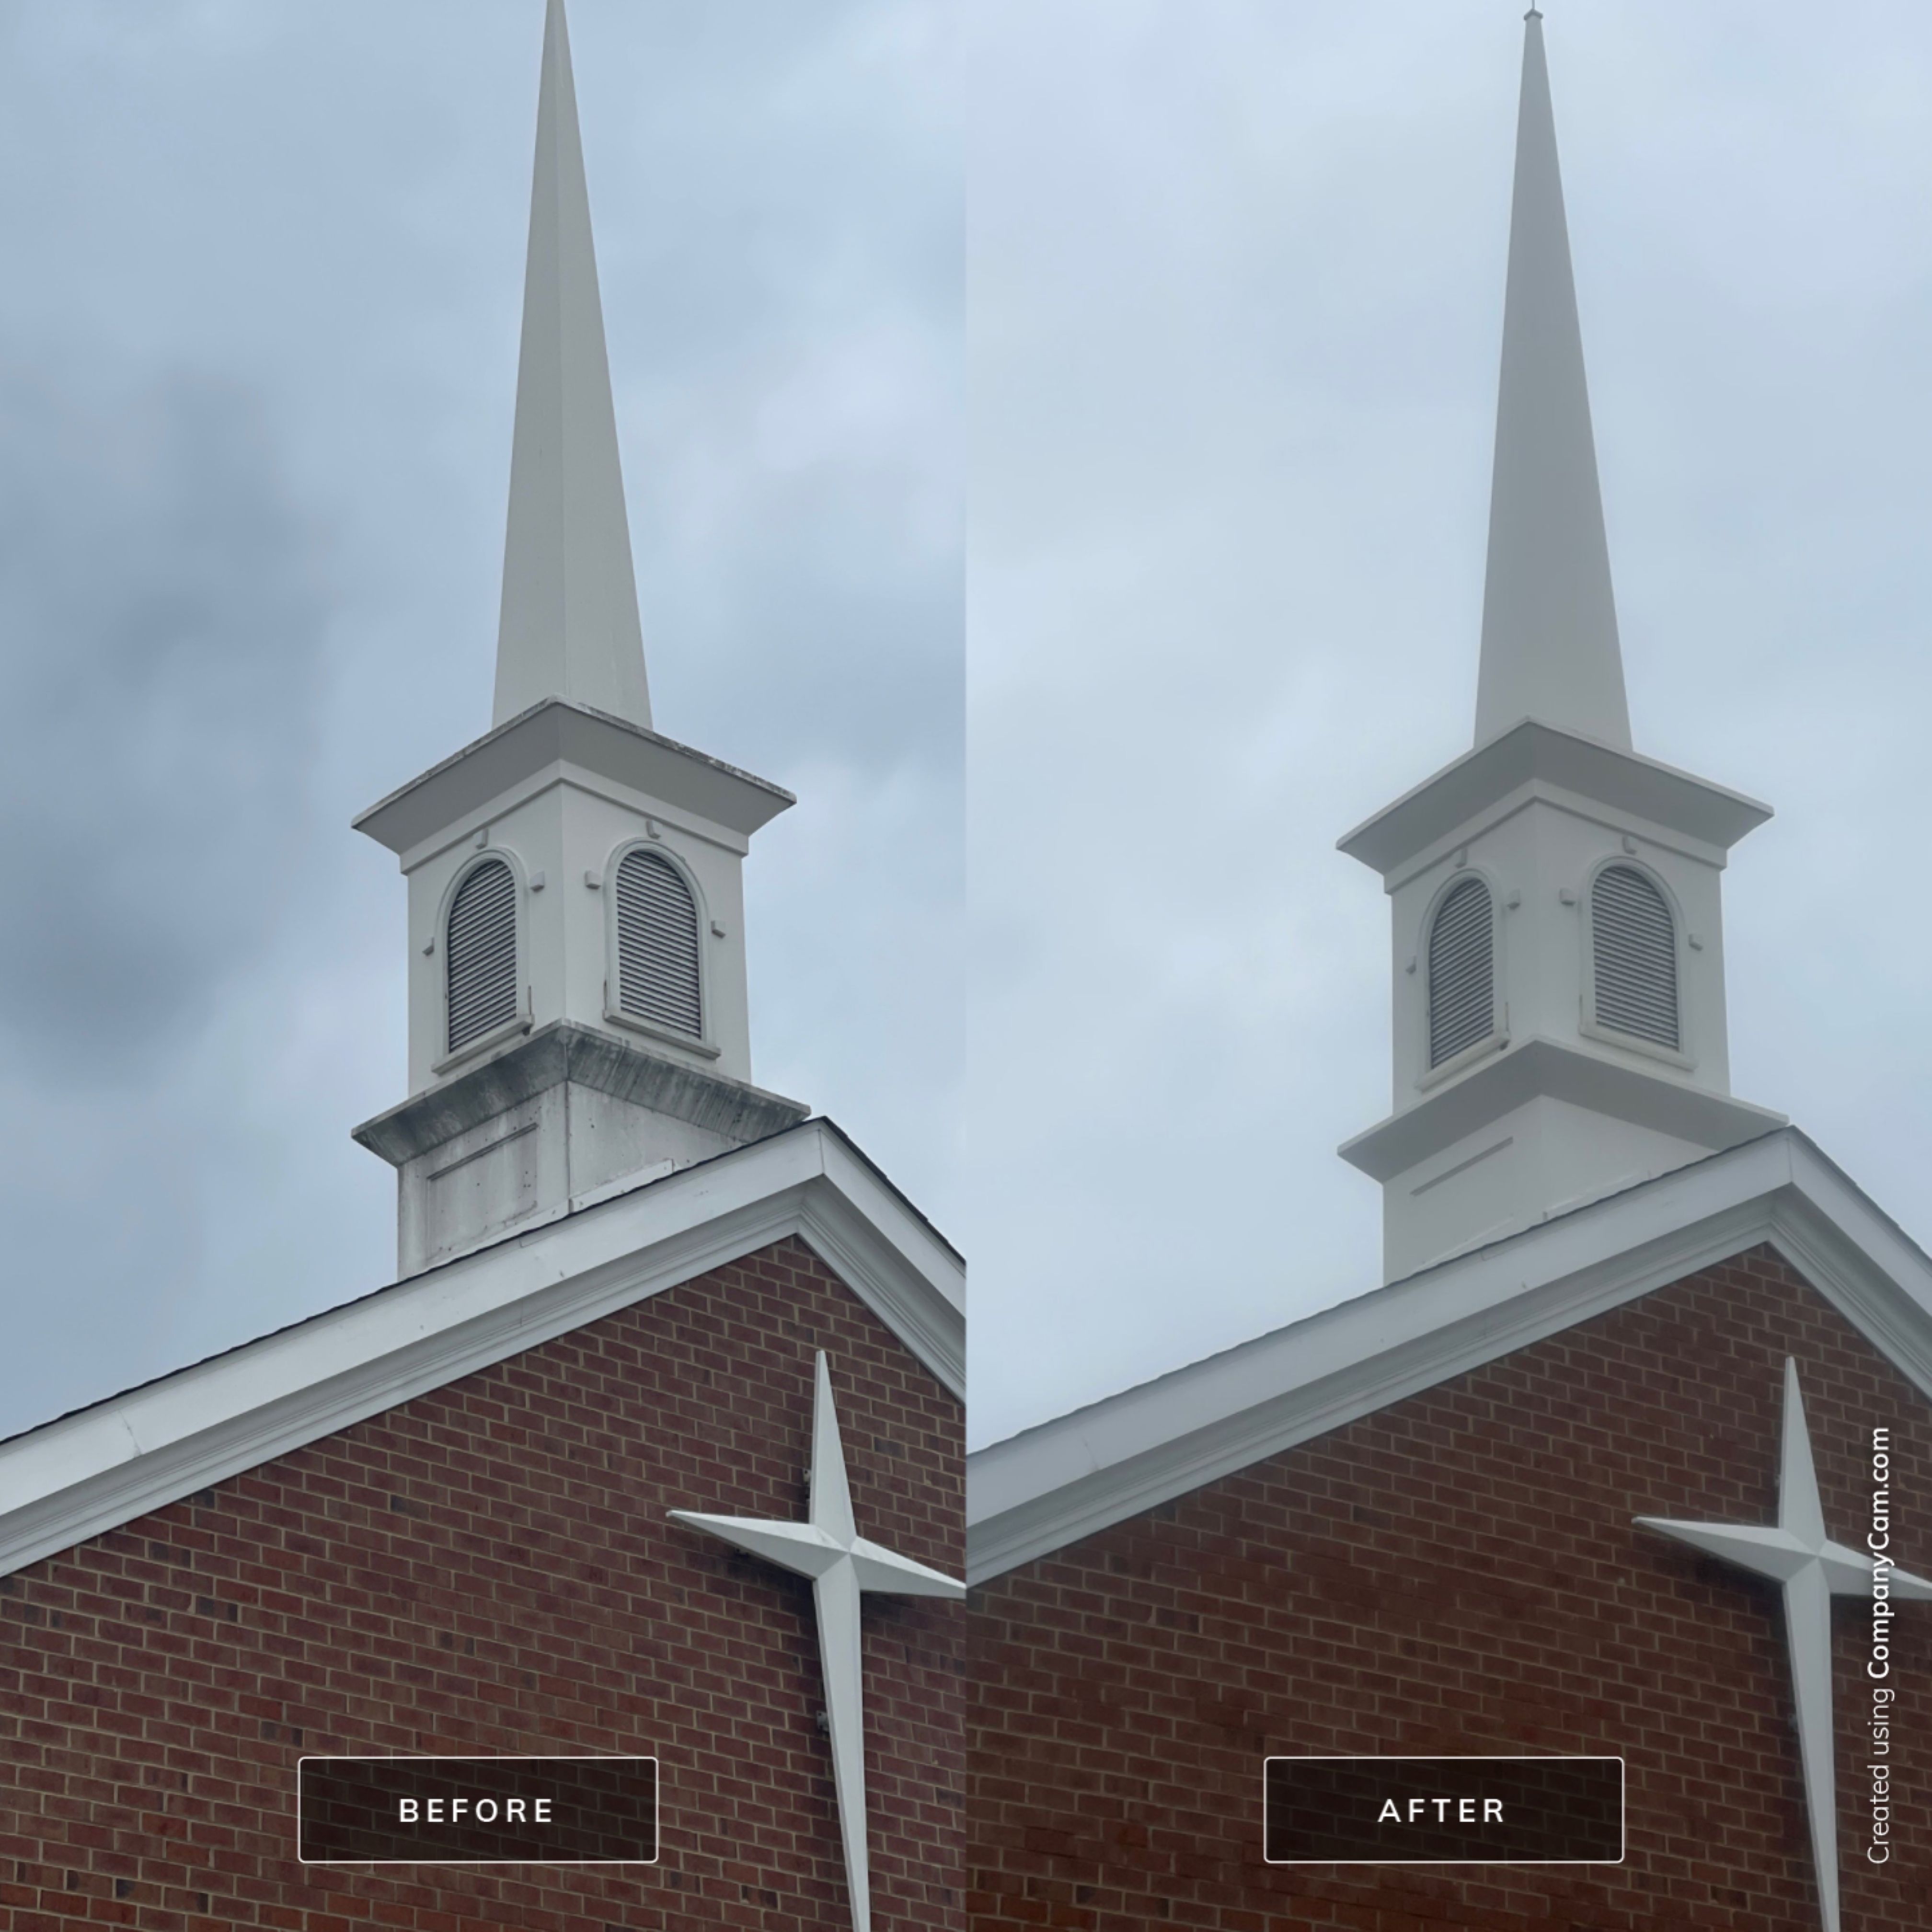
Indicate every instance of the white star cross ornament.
{"type": "Point", "coordinates": [842, 1565]}
{"type": "Point", "coordinates": [1811, 1569]}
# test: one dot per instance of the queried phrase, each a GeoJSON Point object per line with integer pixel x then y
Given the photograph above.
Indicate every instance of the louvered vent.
{"type": "Point", "coordinates": [1635, 956]}
{"type": "Point", "coordinates": [657, 946]}
{"type": "Point", "coordinates": [480, 955]}
{"type": "Point", "coordinates": [1462, 972]}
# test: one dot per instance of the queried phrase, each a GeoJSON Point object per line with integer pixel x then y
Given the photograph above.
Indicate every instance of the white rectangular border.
{"type": "Point", "coordinates": [503, 1757]}
{"type": "Point", "coordinates": [1455, 1757]}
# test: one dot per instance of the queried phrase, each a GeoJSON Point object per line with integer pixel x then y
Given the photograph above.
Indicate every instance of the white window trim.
{"type": "Point", "coordinates": [521, 1022]}
{"type": "Point", "coordinates": [704, 1045]}
{"type": "Point", "coordinates": [1587, 1023]}
{"type": "Point", "coordinates": [1497, 1037]}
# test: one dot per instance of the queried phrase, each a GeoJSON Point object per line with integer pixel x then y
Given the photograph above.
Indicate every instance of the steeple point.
{"type": "Point", "coordinates": [1550, 650]}
{"type": "Point", "coordinates": [569, 627]}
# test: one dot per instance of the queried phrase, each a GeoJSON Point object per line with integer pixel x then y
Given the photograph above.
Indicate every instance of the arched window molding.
{"type": "Point", "coordinates": [658, 978]}
{"type": "Point", "coordinates": [1460, 953]}
{"type": "Point", "coordinates": [1634, 993]}
{"type": "Point", "coordinates": [481, 945]}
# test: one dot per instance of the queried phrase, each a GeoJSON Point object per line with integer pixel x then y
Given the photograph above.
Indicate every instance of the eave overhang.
{"type": "Point", "coordinates": [102, 1466]}
{"type": "Point", "coordinates": [1048, 1487]}
{"type": "Point", "coordinates": [1521, 1069]}
{"type": "Point", "coordinates": [563, 1050]}
{"type": "Point", "coordinates": [1533, 753]}
{"type": "Point", "coordinates": [559, 732]}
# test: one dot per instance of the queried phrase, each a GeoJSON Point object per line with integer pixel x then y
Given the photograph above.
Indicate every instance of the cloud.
{"type": "Point", "coordinates": [165, 615]}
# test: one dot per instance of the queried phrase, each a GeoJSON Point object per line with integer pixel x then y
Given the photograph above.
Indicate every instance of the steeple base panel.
{"type": "Point", "coordinates": [1540, 1129]}
{"type": "Point", "coordinates": [564, 1118]}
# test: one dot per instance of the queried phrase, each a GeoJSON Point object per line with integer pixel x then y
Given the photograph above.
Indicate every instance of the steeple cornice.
{"type": "Point", "coordinates": [1531, 753]}
{"type": "Point", "coordinates": [555, 733]}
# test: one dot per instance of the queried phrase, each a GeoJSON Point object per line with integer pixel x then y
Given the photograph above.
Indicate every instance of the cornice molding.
{"type": "Point", "coordinates": [104, 1465]}
{"type": "Point", "coordinates": [1043, 1490]}
{"type": "Point", "coordinates": [563, 1050]}
{"type": "Point", "coordinates": [1646, 1096]}
{"type": "Point", "coordinates": [556, 731]}
{"type": "Point", "coordinates": [1530, 751]}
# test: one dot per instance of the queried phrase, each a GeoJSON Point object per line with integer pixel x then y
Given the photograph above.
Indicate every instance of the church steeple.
{"type": "Point", "coordinates": [569, 627]}
{"type": "Point", "coordinates": [1549, 620]}
{"type": "Point", "coordinates": [579, 1019]}
{"type": "Point", "coordinates": [1559, 1027]}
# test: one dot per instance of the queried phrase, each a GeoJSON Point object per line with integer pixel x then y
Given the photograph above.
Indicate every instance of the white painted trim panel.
{"type": "Point", "coordinates": [103, 1466]}
{"type": "Point", "coordinates": [1048, 1487]}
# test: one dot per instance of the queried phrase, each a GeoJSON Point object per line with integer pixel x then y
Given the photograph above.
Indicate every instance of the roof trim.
{"type": "Point", "coordinates": [1040, 1491]}
{"type": "Point", "coordinates": [1564, 1070]}
{"type": "Point", "coordinates": [102, 1466]}
{"type": "Point", "coordinates": [1530, 752]}
{"type": "Point", "coordinates": [559, 730]}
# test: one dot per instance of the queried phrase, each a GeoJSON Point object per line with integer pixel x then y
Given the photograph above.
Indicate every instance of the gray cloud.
{"type": "Point", "coordinates": [164, 616]}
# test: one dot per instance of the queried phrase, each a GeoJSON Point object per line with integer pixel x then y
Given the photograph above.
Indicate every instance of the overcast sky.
{"type": "Point", "coordinates": [260, 274]}
{"type": "Point", "coordinates": [1235, 294]}
{"type": "Point", "coordinates": [1229, 321]}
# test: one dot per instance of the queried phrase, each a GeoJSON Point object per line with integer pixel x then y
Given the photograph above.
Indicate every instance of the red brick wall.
{"type": "Point", "coordinates": [490, 1569]}
{"type": "Point", "coordinates": [1459, 1573]}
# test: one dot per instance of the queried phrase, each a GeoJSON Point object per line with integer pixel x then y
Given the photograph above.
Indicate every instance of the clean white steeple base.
{"type": "Point", "coordinates": [1543, 1127]}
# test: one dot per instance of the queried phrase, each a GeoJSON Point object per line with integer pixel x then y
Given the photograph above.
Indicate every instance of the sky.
{"type": "Point", "coordinates": [1235, 282]}
{"type": "Point", "coordinates": [259, 316]}
{"type": "Point", "coordinates": [1056, 434]}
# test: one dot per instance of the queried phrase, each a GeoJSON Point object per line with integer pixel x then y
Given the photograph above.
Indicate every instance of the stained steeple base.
{"type": "Point", "coordinates": [556, 1122]}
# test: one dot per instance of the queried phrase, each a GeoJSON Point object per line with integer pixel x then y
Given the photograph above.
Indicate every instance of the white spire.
{"type": "Point", "coordinates": [1549, 620]}
{"type": "Point", "coordinates": [570, 602]}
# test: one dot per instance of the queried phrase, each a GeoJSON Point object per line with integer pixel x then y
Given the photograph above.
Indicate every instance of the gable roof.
{"type": "Point", "coordinates": [102, 1466]}
{"type": "Point", "coordinates": [1048, 1486]}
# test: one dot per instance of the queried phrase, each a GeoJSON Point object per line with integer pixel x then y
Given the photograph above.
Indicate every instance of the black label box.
{"type": "Point", "coordinates": [1443, 1810]}
{"type": "Point", "coordinates": [477, 1810]}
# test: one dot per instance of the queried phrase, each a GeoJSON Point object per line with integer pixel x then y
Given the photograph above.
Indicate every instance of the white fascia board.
{"type": "Point", "coordinates": [103, 1466]}
{"type": "Point", "coordinates": [889, 1255]}
{"type": "Point", "coordinates": [556, 730]}
{"type": "Point", "coordinates": [1537, 791]}
{"type": "Point", "coordinates": [1046, 1488]}
{"type": "Point", "coordinates": [546, 777]}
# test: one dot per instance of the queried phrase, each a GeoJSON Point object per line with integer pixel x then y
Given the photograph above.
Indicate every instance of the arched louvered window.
{"type": "Point", "coordinates": [1634, 946]}
{"type": "Point", "coordinates": [658, 977]}
{"type": "Point", "coordinates": [480, 954]}
{"type": "Point", "coordinates": [1462, 971]}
